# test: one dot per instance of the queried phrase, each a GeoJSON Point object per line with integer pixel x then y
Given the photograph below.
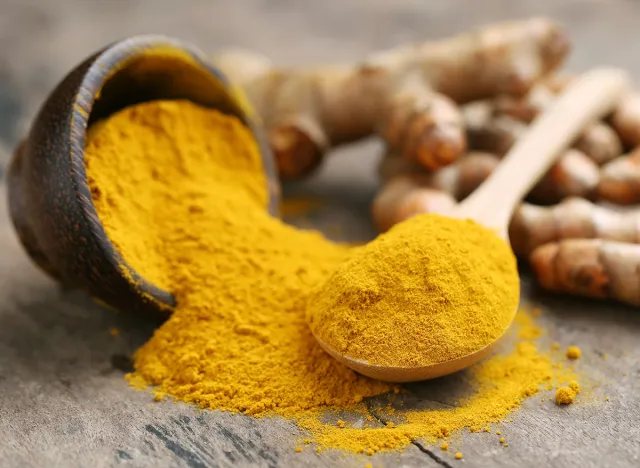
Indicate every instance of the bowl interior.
{"type": "Point", "coordinates": [146, 69]}
{"type": "Point", "coordinates": [163, 73]}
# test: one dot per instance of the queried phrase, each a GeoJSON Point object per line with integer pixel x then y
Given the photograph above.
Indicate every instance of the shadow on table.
{"type": "Point", "coordinates": [52, 333]}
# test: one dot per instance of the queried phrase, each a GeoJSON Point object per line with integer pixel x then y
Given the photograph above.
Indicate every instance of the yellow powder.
{"type": "Point", "coordinates": [573, 352]}
{"type": "Point", "coordinates": [575, 386]}
{"type": "Point", "coordinates": [181, 192]}
{"type": "Point", "coordinates": [500, 384]}
{"type": "Point", "coordinates": [459, 455]}
{"type": "Point", "coordinates": [186, 209]}
{"type": "Point", "coordinates": [565, 396]}
{"type": "Point", "coordinates": [430, 290]}
{"type": "Point", "coordinates": [444, 446]}
{"type": "Point", "coordinates": [502, 440]}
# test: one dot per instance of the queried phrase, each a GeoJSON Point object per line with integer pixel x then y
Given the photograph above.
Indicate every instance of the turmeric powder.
{"type": "Point", "coordinates": [565, 396]}
{"type": "Point", "coordinates": [188, 211]}
{"type": "Point", "coordinates": [181, 193]}
{"type": "Point", "coordinates": [430, 290]}
{"type": "Point", "coordinates": [573, 352]}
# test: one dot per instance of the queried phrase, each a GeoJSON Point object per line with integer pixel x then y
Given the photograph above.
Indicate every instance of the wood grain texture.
{"type": "Point", "coordinates": [63, 401]}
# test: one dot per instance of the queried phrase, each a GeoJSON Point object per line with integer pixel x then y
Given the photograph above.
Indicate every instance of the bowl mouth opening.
{"type": "Point", "coordinates": [141, 69]}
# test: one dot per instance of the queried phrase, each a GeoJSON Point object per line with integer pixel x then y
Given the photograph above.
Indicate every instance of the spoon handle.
{"type": "Point", "coordinates": [590, 97]}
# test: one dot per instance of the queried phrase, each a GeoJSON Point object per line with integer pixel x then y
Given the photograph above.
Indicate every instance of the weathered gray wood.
{"type": "Point", "coordinates": [63, 401]}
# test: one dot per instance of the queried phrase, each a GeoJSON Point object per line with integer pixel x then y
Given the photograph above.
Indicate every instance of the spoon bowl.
{"type": "Point", "coordinates": [49, 197]}
{"type": "Point", "coordinates": [493, 203]}
{"type": "Point", "coordinates": [411, 374]}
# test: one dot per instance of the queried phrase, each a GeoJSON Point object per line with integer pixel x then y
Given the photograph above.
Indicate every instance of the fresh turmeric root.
{"type": "Point", "coordinates": [626, 120]}
{"type": "Point", "coordinates": [600, 143]}
{"type": "Point", "coordinates": [409, 190]}
{"type": "Point", "coordinates": [307, 111]}
{"type": "Point", "coordinates": [490, 131]}
{"type": "Point", "coordinates": [405, 196]}
{"type": "Point", "coordinates": [574, 218]}
{"type": "Point", "coordinates": [590, 267]}
{"type": "Point", "coordinates": [423, 126]}
{"type": "Point", "coordinates": [620, 180]}
{"type": "Point", "coordinates": [458, 179]}
{"type": "Point", "coordinates": [574, 174]}
{"type": "Point", "coordinates": [598, 140]}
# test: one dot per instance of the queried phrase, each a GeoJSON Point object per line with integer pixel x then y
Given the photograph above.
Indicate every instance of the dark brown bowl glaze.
{"type": "Point", "coordinates": [49, 198]}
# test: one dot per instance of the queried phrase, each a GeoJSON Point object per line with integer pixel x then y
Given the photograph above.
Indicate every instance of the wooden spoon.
{"type": "Point", "coordinates": [493, 203]}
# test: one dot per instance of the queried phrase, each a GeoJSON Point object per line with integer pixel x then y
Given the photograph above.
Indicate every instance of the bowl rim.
{"type": "Point", "coordinates": [117, 56]}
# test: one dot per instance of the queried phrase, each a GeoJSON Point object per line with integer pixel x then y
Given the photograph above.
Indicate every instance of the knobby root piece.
{"type": "Point", "coordinates": [575, 174]}
{"type": "Point", "coordinates": [503, 58]}
{"type": "Point", "coordinates": [307, 111]}
{"type": "Point", "coordinates": [574, 218]}
{"type": "Point", "coordinates": [600, 142]}
{"type": "Point", "coordinates": [489, 132]}
{"type": "Point", "coordinates": [424, 126]}
{"type": "Point", "coordinates": [626, 120]}
{"type": "Point", "coordinates": [404, 197]}
{"type": "Point", "coordinates": [620, 180]}
{"type": "Point", "coordinates": [525, 108]}
{"type": "Point", "coordinates": [458, 179]}
{"type": "Point", "coordinates": [590, 267]}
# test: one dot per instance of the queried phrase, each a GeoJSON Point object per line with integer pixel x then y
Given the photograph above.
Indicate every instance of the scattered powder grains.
{"type": "Point", "coordinates": [181, 193]}
{"type": "Point", "coordinates": [459, 456]}
{"type": "Point", "coordinates": [573, 352]}
{"type": "Point", "coordinates": [444, 446]}
{"type": "Point", "coordinates": [575, 386]}
{"type": "Point", "coordinates": [565, 396]}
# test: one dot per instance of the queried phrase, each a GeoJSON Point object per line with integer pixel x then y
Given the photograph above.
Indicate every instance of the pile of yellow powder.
{"type": "Point", "coordinates": [430, 290]}
{"type": "Point", "coordinates": [182, 195]}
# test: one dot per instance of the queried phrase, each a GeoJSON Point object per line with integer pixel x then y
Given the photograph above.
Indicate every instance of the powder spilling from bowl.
{"type": "Point", "coordinates": [182, 194]}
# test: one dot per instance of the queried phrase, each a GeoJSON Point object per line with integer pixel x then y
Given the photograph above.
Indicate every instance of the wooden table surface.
{"type": "Point", "coordinates": [63, 399]}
